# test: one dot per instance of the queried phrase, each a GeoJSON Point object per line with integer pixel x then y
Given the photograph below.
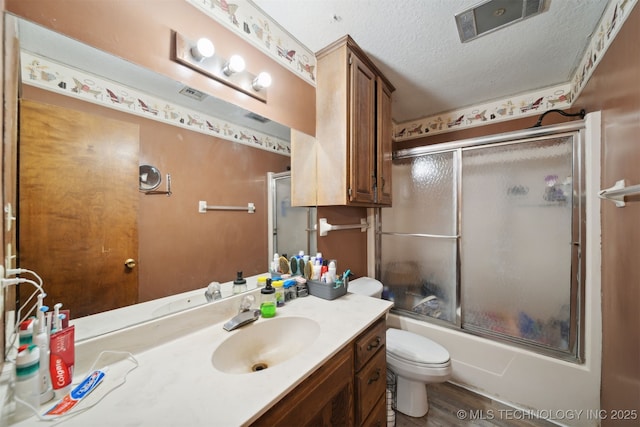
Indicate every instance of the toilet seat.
{"type": "Point", "coordinates": [416, 349]}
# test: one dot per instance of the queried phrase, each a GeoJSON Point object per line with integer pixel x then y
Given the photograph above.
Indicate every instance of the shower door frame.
{"type": "Point", "coordinates": [576, 129]}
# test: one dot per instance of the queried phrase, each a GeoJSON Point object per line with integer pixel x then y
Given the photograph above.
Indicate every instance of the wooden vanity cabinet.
{"type": "Point", "coordinates": [348, 390]}
{"type": "Point", "coordinates": [353, 128]}
{"type": "Point", "coordinates": [324, 398]}
{"type": "Point", "coordinates": [371, 375]}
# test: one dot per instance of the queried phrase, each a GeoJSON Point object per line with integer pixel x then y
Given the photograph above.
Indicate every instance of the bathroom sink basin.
{"type": "Point", "coordinates": [264, 344]}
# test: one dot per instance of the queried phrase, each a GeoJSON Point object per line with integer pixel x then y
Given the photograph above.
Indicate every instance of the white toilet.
{"type": "Point", "coordinates": [416, 360]}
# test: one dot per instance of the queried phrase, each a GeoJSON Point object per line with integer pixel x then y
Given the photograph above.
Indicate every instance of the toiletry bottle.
{"type": "Point", "coordinates": [317, 267]}
{"type": "Point", "coordinates": [239, 285]}
{"type": "Point", "coordinates": [268, 300]}
{"type": "Point", "coordinates": [262, 281]}
{"type": "Point", "coordinates": [331, 272]}
{"type": "Point", "coordinates": [278, 285]}
{"type": "Point", "coordinates": [275, 264]}
{"type": "Point", "coordinates": [27, 386]}
{"type": "Point", "coordinates": [41, 339]}
{"type": "Point", "coordinates": [26, 331]}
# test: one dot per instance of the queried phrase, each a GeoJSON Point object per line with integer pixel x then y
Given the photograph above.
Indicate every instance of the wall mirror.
{"type": "Point", "coordinates": [152, 214]}
{"type": "Point", "coordinates": [150, 178]}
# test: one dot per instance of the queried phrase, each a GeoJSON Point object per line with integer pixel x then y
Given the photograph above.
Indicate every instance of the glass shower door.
{"type": "Point", "coordinates": [292, 227]}
{"type": "Point", "coordinates": [418, 237]}
{"type": "Point", "coordinates": [517, 241]}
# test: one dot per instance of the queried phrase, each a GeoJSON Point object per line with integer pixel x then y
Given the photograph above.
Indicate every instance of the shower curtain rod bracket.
{"type": "Point", "coordinates": [325, 227]}
{"type": "Point", "coordinates": [619, 191]}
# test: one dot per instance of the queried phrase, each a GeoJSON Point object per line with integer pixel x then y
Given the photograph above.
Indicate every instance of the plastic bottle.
{"type": "Point", "coordinates": [278, 285]}
{"type": "Point", "coordinates": [317, 267]}
{"type": "Point", "coordinates": [240, 284]}
{"type": "Point", "coordinates": [41, 339]}
{"type": "Point", "coordinates": [331, 272]}
{"type": "Point", "coordinates": [27, 386]}
{"type": "Point", "coordinates": [275, 264]}
{"type": "Point", "coordinates": [26, 331]}
{"type": "Point", "coordinates": [268, 300]}
{"type": "Point", "coordinates": [262, 281]}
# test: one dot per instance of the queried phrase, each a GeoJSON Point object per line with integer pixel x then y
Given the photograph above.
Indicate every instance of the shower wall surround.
{"type": "Point", "coordinates": [485, 236]}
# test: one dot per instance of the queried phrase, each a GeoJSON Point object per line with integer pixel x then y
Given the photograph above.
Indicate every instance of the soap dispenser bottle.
{"type": "Point", "coordinates": [240, 284]}
{"type": "Point", "coordinates": [268, 300]}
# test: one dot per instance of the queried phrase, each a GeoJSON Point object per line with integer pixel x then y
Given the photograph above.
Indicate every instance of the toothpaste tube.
{"type": "Point", "coordinates": [77, 394]}
{"type": "Point", "coordinates": [62, 359]}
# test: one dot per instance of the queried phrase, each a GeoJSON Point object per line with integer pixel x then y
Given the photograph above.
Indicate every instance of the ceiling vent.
{"type": "Point", "coordinates": [257, 117]}
{"type": "Point", "coordinates": [193, 93]}
{"type": "Point", "coordinates": [492, 15]}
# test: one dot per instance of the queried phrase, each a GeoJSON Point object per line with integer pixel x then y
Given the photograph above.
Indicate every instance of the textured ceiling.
{"type": "Point", "coordinates": [416, 45]}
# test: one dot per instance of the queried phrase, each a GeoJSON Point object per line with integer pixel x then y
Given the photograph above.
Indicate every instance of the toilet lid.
{"type": "Point", "coordinates": [365, 286]}
{"type": "Point", "coordinates": [415, 348]}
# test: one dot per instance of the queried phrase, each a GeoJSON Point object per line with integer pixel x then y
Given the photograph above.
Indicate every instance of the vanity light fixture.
{"type": "Point", "coordinates": [235, 64]}
{"type": "Point", "coordinates": [199, 56]}
{"type": "Point", "coordinates": [262, 81]}
{"type": "Point", "coordinates": [203, 49]}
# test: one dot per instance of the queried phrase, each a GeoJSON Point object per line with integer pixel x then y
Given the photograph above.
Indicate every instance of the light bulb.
{"type": "Point", "coordinates": [235, 64]}
{"type": "Point", "coordinates": [203, 49]}
{"type": "Point", "coordinates": [262, 81]}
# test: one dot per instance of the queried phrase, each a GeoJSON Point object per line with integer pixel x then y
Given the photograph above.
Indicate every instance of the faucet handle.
{"type": "Point", "coordinates": [246, 302]}
{"type": "Point", "coordinates": [213, 292]}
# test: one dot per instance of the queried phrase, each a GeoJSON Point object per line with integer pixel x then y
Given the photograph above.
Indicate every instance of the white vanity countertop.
{"type": "Point", "coordinates": [112, 320]}
{"type": "Point", "coordinates": [176, 383]}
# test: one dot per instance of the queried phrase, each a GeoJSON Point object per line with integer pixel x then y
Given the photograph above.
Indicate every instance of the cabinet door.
{"type": "Point", "coordinates": [325, 398]}
{"type": "Point", "coordinates": [362, 132]}
{"type": "Point", "coordinates": [384, 144]}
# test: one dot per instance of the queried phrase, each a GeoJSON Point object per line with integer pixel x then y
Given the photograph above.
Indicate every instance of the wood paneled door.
{"type": "Point", "coordinates": [77, 207]}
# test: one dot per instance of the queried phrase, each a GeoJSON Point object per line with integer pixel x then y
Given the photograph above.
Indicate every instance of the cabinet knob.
{"type": "Point", "coordinates": [130, 263]}
{"type": "Point", "coordinates": [374, 344]}
{"type": "Point", "coordinates": [375, 377]}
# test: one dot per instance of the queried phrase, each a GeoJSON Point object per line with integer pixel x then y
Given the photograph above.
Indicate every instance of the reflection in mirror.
{"type": "Point", "coordinates": [293, 228]}
{"type": "Point", "coordinates": [176, 250]}
{"type": "Point", "coordinates": [150, 177]}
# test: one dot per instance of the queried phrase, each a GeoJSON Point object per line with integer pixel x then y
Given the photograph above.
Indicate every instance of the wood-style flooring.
{"type": "Point", "coordinates": [453, 406]}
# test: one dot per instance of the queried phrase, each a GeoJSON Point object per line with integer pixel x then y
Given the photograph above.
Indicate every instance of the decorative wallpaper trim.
{"type": "Point", "coordinates": [52, 76]}
{"type": "Point", "coordinates": [610, 23]}
{"type": "Point", "coordinates": [526, 104]}
{"type": "Point", "coordinates": [530, 103]}
{"type": "Point", "coordinates": [249, 22]}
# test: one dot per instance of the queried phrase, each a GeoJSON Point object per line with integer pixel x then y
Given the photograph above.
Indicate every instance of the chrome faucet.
{"type": "Point", "coordinates": [245, 316]}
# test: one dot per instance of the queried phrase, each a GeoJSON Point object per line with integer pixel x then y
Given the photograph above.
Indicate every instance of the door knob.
{"type": "Point", "coordinates": [130, 263]}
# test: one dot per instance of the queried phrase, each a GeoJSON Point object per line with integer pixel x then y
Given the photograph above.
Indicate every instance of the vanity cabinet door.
{"type": "Point", "coordinates": [371, 385]}
{"type": "Point", "coordinates": [378, 415]}
{"type": "Point", "coordinates": [325, 398]}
